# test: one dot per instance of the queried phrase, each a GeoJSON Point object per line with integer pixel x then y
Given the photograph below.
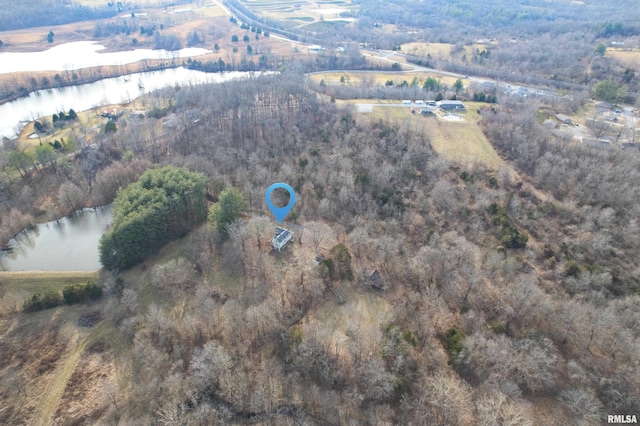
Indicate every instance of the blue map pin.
{"type": "Point", "coordinates": [280, 212]}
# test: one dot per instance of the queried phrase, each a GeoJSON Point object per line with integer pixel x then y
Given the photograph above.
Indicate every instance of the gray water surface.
{"type": "Point", "coordinates": [84, 54]}
{"type": "Point", "coordinates": [68, 245]}
{"type": "Point", "coordinates": [117, 90]}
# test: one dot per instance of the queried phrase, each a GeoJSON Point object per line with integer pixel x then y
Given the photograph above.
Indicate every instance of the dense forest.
{"type": "Point", "coordinates": [416, 289]}
{"type": "Point", "coordinates": [503, 296]}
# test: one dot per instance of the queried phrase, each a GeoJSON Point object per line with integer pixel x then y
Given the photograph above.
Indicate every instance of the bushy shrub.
{"type": "Point", "coordinates": [39, 302]}
{"type": "Point", "coordinates": [81, 293]}
{"type": "Point", "coordinates": [453, 342]}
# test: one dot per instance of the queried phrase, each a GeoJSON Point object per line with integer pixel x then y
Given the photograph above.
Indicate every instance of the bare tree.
{"type": "Point", "coordinates": [317, 232]}
{"type": "Point", "coordinates": [584, 405]}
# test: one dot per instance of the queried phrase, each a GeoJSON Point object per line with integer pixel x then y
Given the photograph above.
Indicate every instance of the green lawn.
{"type": "Point", "coordinates": [41, 282]}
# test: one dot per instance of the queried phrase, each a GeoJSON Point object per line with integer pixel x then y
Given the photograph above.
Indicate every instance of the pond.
{"type": "Point", "coordinates": [84, 54]}
{"type": "Point", "coordinates": [14, 115]}
{"type": "Point", "coordinates": [70, 244]}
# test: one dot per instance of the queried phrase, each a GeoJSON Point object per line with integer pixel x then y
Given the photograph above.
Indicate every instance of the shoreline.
{"type": "Point", "coordinates": [97, 74]}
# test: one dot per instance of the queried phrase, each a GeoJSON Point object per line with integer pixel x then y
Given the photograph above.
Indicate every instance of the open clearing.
{"type": "Point", "coordinates": [362, 313]}
{"type": "Point", "coordinates": [49, 401]}
{"type": "Point", "coordinates": [458, 141]}
{"type": "Point", "coordinates": [630, 58]}
{"type": "Point", "coordinates": [439, 50]}
{"type": "Point", "coordinates": [40, 353]}
{"type": "Point", "coordinates": [359, 78]}
{"type": "Point", "coordinates": [41, 282]}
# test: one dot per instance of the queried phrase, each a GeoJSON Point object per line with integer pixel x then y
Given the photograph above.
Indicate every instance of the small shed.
{"type": "Point", "coordinates": [428, 110]}
{"type": "Point", "coordinates": [564, 118]}
{"type": "Point", "coordinates": [631, 146]}
{"type": "Point", "coordinates": [281, 238]}
{"type": "Point", "coordinates": [375, 280]}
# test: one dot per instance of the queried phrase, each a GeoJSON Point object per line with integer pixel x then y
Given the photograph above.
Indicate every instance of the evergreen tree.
{"type": "Point", "coordinates": [226, 211]}
{"type": "Point", "coordinates": [164, 204]}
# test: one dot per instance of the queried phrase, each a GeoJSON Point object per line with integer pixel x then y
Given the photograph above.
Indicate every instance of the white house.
{"type": "Point", "coordinates": [281, 238]}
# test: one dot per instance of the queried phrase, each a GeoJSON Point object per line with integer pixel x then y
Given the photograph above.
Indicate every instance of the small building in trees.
{"type": "Point", "coordinates": [564, 119]}
{"type": "Point", "coordinates": [281, 238]}
{"type": "Point", "coordinates": [112, 113]}
{"type": "Point", "coordinates": [375, 280]}
{"type": "Point", "coordinates": [630, 146]}
{"type": "Point", "coordinates": [450, 105]}
{"type": "Point", "coordinates": [596, 143]}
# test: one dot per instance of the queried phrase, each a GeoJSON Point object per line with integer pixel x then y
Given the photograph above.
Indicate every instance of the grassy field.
{"type": "Point", "coordinates": [41, 282]}
{"type": "Point", "coordinates": [630, 58]}
{"type": "Point", "coordinates": [355, 78]}
{"type": "Point", "coordinates": [439, 50]}
{"type": "Point", "coordinates": [458, 141]}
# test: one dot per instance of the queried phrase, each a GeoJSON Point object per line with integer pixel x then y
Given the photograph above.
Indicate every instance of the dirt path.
{"type": "Point", "coordinates": [49, 402]}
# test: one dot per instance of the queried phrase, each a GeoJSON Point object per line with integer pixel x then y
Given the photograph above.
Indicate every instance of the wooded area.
{"type": "Point", "coordinates": [417, 289]}
{"type": "Point", "coordinates": [471, 327]}
{"type": "Point", "coordinates": [162, 205]}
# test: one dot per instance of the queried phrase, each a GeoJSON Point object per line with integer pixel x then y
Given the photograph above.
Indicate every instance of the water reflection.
{"type": "Point", "coordinates": [70, 244]}
{"type": "Point", "coordinates": [108, 91]}
{"type": "Point", "coordinates": [84, 54]}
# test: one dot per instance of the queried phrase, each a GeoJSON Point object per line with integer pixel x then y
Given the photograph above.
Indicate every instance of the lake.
{"type": "Point", "coordinates": [70, 244]}
{"type": "Point", "coordinates": [14, 115]}
{"type": "Point", "coordinates": [84, 54]}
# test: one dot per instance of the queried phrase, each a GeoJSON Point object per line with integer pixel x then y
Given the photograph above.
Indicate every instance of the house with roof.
{"type": "Point", "coordinates": [450, 105]}
{"type": "Point", "coordinates": [564, 119]}
{"type": "Point", "coordinates": [281, 238]}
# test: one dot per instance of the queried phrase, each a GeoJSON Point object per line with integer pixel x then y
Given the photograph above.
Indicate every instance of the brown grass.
{"type": "Point", "coordinates": [364, 313]}
{"type": "Point", "coordinates": [630, 58]}
{"type": "Point", "coordinates": [439, 50]}
{"type": "Point", "coordinates": [42, 348]}
{"type": "Point", "coordinates": [355, 78]}
{"type": "Point", "coordinates": [458, 141]}
{"type": "Point", "coordinates": [40, 282]}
